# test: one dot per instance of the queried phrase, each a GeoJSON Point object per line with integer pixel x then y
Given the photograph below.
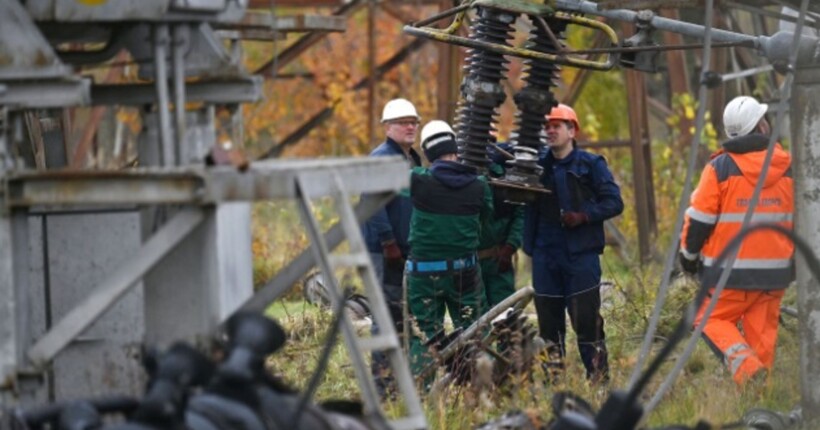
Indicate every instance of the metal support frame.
{"type": "Point", "coordinates": [19, 95]}
{"type": "Point", "coordinates": [641, 159]}
{"type": "Point", "coordinates": [14, 321]}
{"type": "Point", "coordinates": [387, 340]}
{"type": "Point", "coordinates": [25, 52]}
{"type": "Point", "coordinates": [199, 186]}
{"type": "Point", "coordinates": [161, 40]}
{"type": "Point", "coordinates": [245, 90]}
{"type": "Point", "coordinates": [178, 44]}
{"type": "Point", "coordinates": [113, 287]}
{"type": "Point", "coordinates": [447, 81]}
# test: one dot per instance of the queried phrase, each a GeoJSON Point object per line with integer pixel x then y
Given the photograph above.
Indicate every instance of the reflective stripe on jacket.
{"type": "Point", "coordinates": [718, 206]}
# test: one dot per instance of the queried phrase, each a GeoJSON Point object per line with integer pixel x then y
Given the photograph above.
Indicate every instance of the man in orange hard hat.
{"type": "Point", "coordinates": [764, 265]}
{"type": "Point", "coordinates": [564, 235]}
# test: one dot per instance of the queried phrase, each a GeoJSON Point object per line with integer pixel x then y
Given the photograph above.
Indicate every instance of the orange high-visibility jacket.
{"type": "Point", "coordinates": [719, 203]}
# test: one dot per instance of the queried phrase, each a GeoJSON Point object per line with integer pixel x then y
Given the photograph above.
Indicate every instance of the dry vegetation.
{"type": "Point", "coordinates": [704, 390]}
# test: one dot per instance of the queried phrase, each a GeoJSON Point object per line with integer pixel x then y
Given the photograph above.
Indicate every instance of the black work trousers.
{"type": "Point", "coordinates": [584, 311]}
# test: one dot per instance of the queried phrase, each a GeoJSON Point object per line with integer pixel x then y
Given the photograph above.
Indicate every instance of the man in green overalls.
{"type": "Point", "coordinates": [500, 239]}
{"type": "Point", "coordinates": [450, 202]}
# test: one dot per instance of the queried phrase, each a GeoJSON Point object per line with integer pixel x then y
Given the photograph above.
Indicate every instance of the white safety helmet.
{"type": "Point", "coordinates": [742, 115]}
{"type": "Point", "coordinates": [399, 108]}
{"type": "Point", "coordinates": [435, 127]}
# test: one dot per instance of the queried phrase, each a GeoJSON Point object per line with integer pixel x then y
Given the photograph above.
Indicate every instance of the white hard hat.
{"type": "Point", "coordinates": [435, 127]}
{"type": "Point", "coordinates": [742, 115]}
{"type": "Point", "coordinates": [399, 108]}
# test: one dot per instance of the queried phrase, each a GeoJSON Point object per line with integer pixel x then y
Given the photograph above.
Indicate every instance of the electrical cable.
{"type": "Point", "coordinates": [324, 358]}
{"type": "Point", "coordinates": [683, 203]}
{"type": "Point", "coordinates": [785, 95]}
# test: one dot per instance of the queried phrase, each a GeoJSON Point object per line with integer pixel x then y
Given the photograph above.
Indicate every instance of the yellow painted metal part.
{"type": "Point", "coordinates": [564, 57]}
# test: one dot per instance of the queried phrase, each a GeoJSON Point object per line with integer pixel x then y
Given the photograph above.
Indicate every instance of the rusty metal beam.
{"type": "Point", "coordinates": [371, 70]}
{"type": "Point", "coordinates": [720, 65]}
{"type": "Point", "coordinates": [297, 48]}
{"type": "Point", "coordinates": [397, 13]}
{"type": "Point", "coordinates": [264, 22]}
{"type": "Point", "coordinates": [641, 173]}
{"type": "Point", "coordinates": [678, 75]}
{"type": "Point", "coordinates": [447, 77]}
{"type": "Point", "coordinates": [634, 93]}
{"type": "Point", "coordinates": [327, 112]}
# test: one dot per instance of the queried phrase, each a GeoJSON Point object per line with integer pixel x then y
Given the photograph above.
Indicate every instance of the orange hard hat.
{"type": "Point", "coordinates": [563, 112]}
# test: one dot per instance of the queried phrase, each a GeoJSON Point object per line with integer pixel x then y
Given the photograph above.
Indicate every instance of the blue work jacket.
{"type": "Point", "coordinates": [581, 182]}
{"type": "Point", "coordinates": [392, 221]}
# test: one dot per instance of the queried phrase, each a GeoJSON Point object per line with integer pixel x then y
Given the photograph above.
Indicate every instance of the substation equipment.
{"type": "Point", "coordinates": [95, 264]}
{"type": "Point", "coordinates": [544, 52]}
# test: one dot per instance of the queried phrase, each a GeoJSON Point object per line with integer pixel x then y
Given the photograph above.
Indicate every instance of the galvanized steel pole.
{"type": "Point", "coordinates": [805, 120]}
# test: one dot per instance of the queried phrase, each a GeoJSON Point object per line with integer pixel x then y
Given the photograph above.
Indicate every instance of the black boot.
{"type": "Point", "coordinates": [596, 361]}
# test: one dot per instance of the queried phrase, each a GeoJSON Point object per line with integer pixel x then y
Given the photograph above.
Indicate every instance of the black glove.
{"type": "Point", "coordinates": [689, 266]}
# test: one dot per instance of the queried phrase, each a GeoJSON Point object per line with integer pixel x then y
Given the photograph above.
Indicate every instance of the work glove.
{"type": "Point", "coordinates": [504, 257]}
{"type": "Point", "coordinates": [689, 266]}
{"type": "Point", "coordinates": [574, 219]}
{"type": "Point", "coordinates": [392, 255]}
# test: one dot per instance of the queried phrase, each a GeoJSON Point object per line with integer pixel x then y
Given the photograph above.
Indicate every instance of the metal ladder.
{"type": "Point", "coordinates": [387, 340]}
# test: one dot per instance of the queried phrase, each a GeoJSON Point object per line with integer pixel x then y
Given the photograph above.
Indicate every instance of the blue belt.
{"type": "Point", "coordinates": [414, 266]}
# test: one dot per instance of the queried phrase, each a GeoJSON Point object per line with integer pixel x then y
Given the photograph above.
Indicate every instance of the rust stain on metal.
{"type": "Point", "coordinates": [646, 4]}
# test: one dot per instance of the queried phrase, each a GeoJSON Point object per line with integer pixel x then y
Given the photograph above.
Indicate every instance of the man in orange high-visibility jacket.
{"type": "Point", "coordinates": [764, 266]}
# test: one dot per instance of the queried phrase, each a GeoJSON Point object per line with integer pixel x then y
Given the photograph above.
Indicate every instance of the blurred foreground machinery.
{"type": "Point", "coordinates": [186, 389]}
{"type": "Point", "coordinates": [94, 264]}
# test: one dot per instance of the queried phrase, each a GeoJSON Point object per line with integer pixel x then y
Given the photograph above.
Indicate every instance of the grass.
{"type": "Point", "coordinates": [704, 389]}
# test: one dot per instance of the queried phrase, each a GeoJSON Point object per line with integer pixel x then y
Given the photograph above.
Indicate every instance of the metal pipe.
{"type": "Point", "coordinates": [161, 85]}
{"type": "Point", "coordinates": [659, 22]}
{"type": "Point", "coordinates": [747, 72]}
{"type": "Point", "coordinates": [180, 33]}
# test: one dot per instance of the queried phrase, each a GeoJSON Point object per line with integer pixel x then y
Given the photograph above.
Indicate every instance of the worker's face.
{"type": "Point", "coordinates": [559, 134]}
{"type": "Point", "coordinates": [402, 130]}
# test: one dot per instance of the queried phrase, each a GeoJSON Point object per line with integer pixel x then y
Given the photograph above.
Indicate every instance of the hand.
{"type": "Point", "coordinates": [392, 254]}
{"type": "Point", "coordinates": [689, 266]}
{"type": "Point", "coordinates": [574, 219]}
{"type": "Point", "coordinates": [504, 257]}
{"type": "Point", "coordinates": [391, 250]}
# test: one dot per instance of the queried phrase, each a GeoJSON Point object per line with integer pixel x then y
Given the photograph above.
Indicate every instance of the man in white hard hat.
{"type": "Point", "coordinates": [386, 233]}
{"type": "Point", "coordinates": [764, 266]}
